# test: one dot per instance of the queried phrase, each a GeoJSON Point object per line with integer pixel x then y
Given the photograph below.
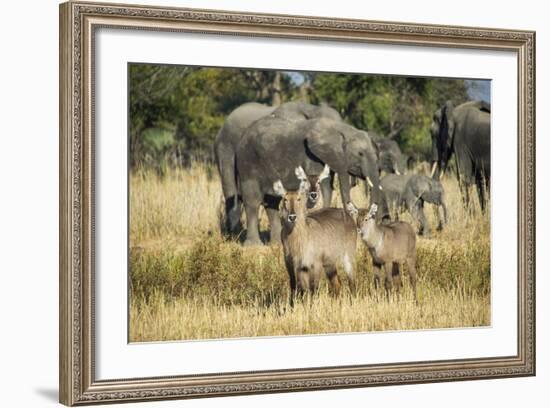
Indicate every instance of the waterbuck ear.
{"type": "Point", "coordinates": [372, 211]}
{"type": "Point", "coordinates": [324, 174]}
{"type": "Point", "coordinates": [304, 187]}
{"type": "Point", "coordinates": [300, 173]}
{"type": "Point", "coordinates": [279, 189]}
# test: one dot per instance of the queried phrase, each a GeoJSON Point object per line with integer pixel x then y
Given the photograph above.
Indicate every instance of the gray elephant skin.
{"type": "Point", "coordinates": [464, 131]}
{"type": "Point", "coordinates": [391, 159]}
{"type": "Point", "coordinates": [410, 192]}
{"type": "Point", "coordinates": [273, 147]}
{"type": "Point", "coordinates": [229, 136]}
{"type": "Point", "coordinates": [225, 145]}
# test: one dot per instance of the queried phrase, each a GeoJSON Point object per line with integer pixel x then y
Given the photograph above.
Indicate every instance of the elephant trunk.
{"type": "Point", "coordinates": [372, 183]}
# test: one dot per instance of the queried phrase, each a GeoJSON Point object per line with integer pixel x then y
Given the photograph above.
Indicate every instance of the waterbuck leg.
{"type": "Point", "coordinates": [302, 280]}
{"type": "Point", "coordinates": [332, 276]}
{"type": "Point", "coordinates": [292, 278]}
{"type": "Point", "coordinates": [314, 278]}
{"type": "Point", "coordinates": [377, 275]}
{"type": "Point", "coordinates": [411, 267]}
{"type": "Point", "coordinates": [396, 276]}
{"type": "Point", "coordinates": [350, 273]}
{"type": "Point", "coordinates": [388, 267]}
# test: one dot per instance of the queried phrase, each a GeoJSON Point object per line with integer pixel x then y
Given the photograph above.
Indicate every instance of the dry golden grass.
{"type": "Point", "coordinates": [203, 318]}
{"type": "Point", "coordinates": [189, 283]}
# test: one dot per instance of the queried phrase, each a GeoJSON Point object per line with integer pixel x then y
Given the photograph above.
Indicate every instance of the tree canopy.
{"type": "Point", "coordinates": [175, 112]}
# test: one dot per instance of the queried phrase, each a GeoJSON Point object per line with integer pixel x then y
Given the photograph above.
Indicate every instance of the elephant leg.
{"type": "Point", "coordinates": [465, 196]}
{"type": "Point", "coordinates": [233, 209]}
{"type": "Point", "coordinates": [480, 184]}
{"type": "Point", "coordinates": [417, 212]}
{"type": "Point", "coordinates": [252, 201]}
{"type": "Point", "coordinates": [440, 218]}
{"type": "Point", "coordinates": [275, 225]}
{"type": "Point", "coordinates": [345, 187]}
{"type": "Point", "coordinates": [272, 209]}
{"type": "Point", "coordinates": [327, 187]}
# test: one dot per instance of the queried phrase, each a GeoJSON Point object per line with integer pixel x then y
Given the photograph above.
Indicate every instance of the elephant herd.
{"type": "Point", "coordinates": [259, 145]}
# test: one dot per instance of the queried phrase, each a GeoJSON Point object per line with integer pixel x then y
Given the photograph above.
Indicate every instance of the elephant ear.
{"type": "Point", "coordinates": [484, 106]}
{"type": "Point", "coordinates": [444, 134]}
{"type": "Point", "coordinates": [419, 185]}
{"type": "Point", "coordinates": [327, 144]}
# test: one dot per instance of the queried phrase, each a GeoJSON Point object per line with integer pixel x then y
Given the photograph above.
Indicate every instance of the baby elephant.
{"type": "Point", "coordinates": [389, 245]}
{"type": "Point", "coordinates": [411, 192]}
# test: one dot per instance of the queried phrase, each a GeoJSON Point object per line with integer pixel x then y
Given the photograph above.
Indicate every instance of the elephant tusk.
{"type": "Point", "coordinates": [434, 166]}
{"type": "Point", "coordinates": [380, 187]}
{"type": "Point", "coordinates": [369, 182]}
{"type": "Point", "coordinates": [397, 172]}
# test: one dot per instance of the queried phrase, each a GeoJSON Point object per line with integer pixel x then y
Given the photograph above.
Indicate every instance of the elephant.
{"type": "Point", "coordinates": [465, 131]}
{"type": "Point", "coordinates": [295, 111]}
{"type": "Point", "coordinates": [225, 145]}
{"type": "Point", "coordinates": [410, 192]}
{"type": "Point", "coordinates": [232, 131]}
{"type": "Point", "coordinates": [391, 159]}
{"type": "Point", "coordinates": [273, 147]}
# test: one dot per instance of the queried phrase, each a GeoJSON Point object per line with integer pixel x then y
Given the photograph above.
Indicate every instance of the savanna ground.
{"type": "Point", "coordinates": [187, 282]}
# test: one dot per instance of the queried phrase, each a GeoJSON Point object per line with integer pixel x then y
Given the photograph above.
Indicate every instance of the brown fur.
{"type": "Point", "coordinates": [389, 245]}
{"type": "Point", "coordinates": [316, 241]}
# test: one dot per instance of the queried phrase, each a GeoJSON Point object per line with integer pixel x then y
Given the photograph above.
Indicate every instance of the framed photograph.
{"type": "Point", "coordinates": [255, 203]}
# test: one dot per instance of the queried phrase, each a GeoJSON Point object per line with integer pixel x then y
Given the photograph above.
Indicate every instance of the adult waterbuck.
{"type": "Point", "coordinates": [317, 241]}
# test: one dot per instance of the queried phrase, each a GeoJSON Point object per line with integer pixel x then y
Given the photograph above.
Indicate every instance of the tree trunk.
{"type": "Point", "coordinates": [276, 90]}
{"type": "Point", "coordinates": [304, 90]}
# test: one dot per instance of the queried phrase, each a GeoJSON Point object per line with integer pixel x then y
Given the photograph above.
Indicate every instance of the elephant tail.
{"type": "Point", "coordinates": [227, 167]}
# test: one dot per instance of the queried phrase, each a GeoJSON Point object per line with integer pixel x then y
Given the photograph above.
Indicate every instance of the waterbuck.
{"type": "Point", "coordinates": [389, 245]}
{"type": "Point", "coordinates": [312, 242]}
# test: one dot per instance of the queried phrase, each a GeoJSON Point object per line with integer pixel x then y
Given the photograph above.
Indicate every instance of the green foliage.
{"type": "Point", "coordinates": [176, 111]}
{"type": "Point", "coordinates": [393, 106]}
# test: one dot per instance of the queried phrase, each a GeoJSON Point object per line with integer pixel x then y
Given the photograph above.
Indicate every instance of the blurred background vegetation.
{"type": "Point", "coordinates": [176, 111]}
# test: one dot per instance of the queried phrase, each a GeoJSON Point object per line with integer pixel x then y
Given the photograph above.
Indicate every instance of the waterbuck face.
{"type": "Point", "coordinates": [314, 191]}
{"type": "Point", "coordinates": [366, 220]}
{"type": "Point", "coordinates": [293, 206]}
{"type": "Point", "coordinates": [296, 203]}
{"type": "Point", "coordinates": [293, 203]}
{"type": "Point", "coordinates": [312, 184]}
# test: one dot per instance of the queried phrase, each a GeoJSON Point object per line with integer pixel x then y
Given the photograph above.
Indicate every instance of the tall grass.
{"type": "Point", "coordinates": [187, 282]}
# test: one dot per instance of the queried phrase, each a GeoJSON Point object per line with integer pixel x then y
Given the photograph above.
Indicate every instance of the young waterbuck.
{"type": "Point", "coordinates": [314, 242]}
{"type": "Point", "coordinates": [389, 245]}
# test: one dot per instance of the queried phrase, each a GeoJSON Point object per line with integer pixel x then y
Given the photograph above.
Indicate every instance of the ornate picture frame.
{"type": "Point", "coordinates": [78, 24]}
